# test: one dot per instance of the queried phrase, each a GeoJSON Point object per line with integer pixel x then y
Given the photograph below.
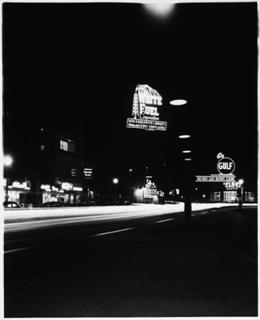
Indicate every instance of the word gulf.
{"type": "Point", "coordinates": [225, 165]}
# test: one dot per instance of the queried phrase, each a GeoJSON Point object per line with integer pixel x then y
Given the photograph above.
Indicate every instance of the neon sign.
{"type": "Point", "coordinates": [18, 185]}
{"type": "Point", "coordinates": [226, 167]}
{"type": "Point", "coordinates": [66, 186]}
{"type": "Point", "coordinates": [144, 110]}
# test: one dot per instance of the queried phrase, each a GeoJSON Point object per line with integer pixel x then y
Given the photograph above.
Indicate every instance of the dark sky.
{"type": "Point", "coordinates": [74, 67]}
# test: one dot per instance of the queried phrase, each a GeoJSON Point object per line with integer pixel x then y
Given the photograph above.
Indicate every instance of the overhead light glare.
{"type": "Point", "coordinates": [184, 136]}
{"type": "Point", "coordinates": [159, 9]}
{"type": "Point", "coordinates": [8, 160]}
{"type": "Point", "coordinates": [186, 151]}
{"type": "Point", "coordinates": [178, 102]}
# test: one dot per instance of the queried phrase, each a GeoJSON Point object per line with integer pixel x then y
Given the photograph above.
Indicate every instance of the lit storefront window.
{"type": "Point", "coordinates": [230, 196]}
{"type": "Point", "coordinates": [67, 145]}
{"type": "Point", "coordinates": [64, 145]}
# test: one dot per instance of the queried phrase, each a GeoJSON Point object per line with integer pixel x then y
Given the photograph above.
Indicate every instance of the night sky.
{"type": "Point", "coordinates": [74, 67]}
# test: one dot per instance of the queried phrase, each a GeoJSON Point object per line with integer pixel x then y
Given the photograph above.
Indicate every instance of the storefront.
{"type": "Point", "coordinates": [65, 192]}
{"type": "Point", "coordinates": [17, 190]}
{"type": "Point", "coordinates": [149, 193]}
{"type": "Point", "coordinates": [231, 196]}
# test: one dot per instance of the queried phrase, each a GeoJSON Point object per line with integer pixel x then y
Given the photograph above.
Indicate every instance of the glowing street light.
{"type": "Point", "coordinates": [178, 102]}
{"type": "Point", "coordinates": [241, 181]}
{"type": "Point", "coordinates": [160, 10]}
{"type": "Point", "coordinates": [115, 181]}
{"type": "Point", "coordinates": [184, 136]}
{"type": "Point", "coordinates": [8, 161]}
{"type": "Point", "coordinates": [187, 159]}
{"type": "Point", "coordinates": [186, 151]}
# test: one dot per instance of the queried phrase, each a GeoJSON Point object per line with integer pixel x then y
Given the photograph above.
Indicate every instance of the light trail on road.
{"type": "Point", "coordinates": [28, 219]}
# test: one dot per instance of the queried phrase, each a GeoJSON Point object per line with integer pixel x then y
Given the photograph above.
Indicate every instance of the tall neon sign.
{"type": "Point", "coordinates": [144, 110]}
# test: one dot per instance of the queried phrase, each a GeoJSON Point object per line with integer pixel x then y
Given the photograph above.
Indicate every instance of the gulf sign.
{"type": "Point", "coordinates": [226, 166]}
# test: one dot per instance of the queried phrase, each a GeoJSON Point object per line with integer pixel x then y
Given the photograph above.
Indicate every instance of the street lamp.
{"type": "Point", "coordinates": [178, 102]}
{"type": "Point", "coordinates": [184, 136]}
{"type": "Point", "coordinates": [161, 10]}
{"type": "Point", "coordinates": [187, 190]}
{"type": "Point", "coordinates": [115, 181]}
{"type": "Point", "coordinates": [8, 161]}
{"type": "Point", "coordinates": [240, 192]}
{"type": "Point", "coordinates": [241, 181]}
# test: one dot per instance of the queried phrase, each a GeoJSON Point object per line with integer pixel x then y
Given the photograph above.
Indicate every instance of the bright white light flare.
{"type": "Point", "coordinates": [241, 181]}
{"type": "Point", "coordinates": [115, 181]}
{"type": "Point", "coordinates": [184, 136]}
{"type": "Point", "coordinates": [186, 151]}
{"type": "Point", "coordinates": [178, 102]}
{"type": "Point", "coordinates": [159, 9]}
{"type": "Point", "coordinates": [8, 161]}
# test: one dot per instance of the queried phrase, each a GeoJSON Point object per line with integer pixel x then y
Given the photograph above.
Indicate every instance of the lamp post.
{"type": "Point", "coordinates": [187, 188]}
{"type": "Point", "coordinates": [8, 161]}
{"type": "Point", "coordinates": [187, 163]}
{"type": "Point", "coordinates": [115, 182]}
{"type": "Point", "coordinates": [240, 192]}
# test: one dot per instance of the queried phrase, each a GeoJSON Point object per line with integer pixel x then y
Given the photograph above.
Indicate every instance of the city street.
{"type": "Point", "coordinates": [130, 159]}
{"type": "Point", "coordinates": [142, 263]}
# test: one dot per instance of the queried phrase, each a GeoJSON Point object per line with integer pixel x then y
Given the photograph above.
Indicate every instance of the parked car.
{"type": "Point", "coordinates": [11, 204]}
{"type": "Point", "coordinates": [53, 204]}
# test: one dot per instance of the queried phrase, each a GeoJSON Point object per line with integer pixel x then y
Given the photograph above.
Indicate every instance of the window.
{"type": "Point", "coordinates": [64, 145]}
{"type": "Point", "coordinates": [67, 145]}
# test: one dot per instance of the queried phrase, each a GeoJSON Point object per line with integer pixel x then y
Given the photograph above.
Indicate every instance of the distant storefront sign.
{"type": "Point", "coordinates": [88, 173]}
{"type": "Point", "coordinates": [145, 110]}
{"type": "Point", "coordinates": [232, 185]}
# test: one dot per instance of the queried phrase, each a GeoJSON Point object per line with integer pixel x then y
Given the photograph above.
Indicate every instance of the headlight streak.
{"type": "Point", "coordinates": [58, 217]}
{"type": "Point", "coordinates": [18, 249]}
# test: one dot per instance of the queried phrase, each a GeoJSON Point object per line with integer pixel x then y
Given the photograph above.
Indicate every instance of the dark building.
{"type": "Point", "coordinates": [52, 171]}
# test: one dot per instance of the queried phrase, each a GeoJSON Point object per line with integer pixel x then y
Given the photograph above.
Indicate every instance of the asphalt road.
{"type": "Point", "coordinates": [41, 255]}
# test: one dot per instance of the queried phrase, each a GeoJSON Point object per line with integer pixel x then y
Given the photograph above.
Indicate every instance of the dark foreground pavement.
{"type": "Point", "coordinates": [195, 273]}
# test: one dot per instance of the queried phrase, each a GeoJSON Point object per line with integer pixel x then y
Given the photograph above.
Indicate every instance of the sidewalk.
{"type": "Point", "coordinates": [185, 274]}
{"type": "Point", "coordinates": [194, 274]}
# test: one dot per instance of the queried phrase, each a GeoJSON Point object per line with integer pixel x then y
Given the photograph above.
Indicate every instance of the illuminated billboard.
{"type": "Point", "coordinates": [226, 167]}
{"type": "Point", "coordinates": [145, 110]}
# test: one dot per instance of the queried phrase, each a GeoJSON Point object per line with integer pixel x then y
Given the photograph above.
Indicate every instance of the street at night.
{"type": "Point", "coordinates": [139, 266]}
{"type": "Point", "coordinates": [130, 159]}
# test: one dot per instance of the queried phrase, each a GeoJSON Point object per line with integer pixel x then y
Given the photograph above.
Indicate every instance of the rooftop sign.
{"type": "Point", "coordinates": [144, 110]}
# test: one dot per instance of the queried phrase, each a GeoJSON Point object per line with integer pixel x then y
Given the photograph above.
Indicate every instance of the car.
{"type": "Point", "coordinates": [11, 204]}
{"type": "Point", "coordinates": [53, 204]}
